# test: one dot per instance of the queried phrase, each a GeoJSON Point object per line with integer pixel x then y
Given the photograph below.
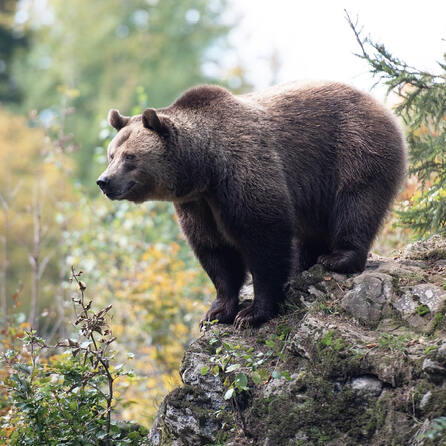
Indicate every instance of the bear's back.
{"type": "Point", "coordinates": [312, 127]}
{"type": "Point", "coordinates": [333, 126]}
{"type": "Point", "coordinates": [202, 96]}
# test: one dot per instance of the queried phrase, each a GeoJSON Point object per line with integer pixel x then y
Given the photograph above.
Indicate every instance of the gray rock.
{"type": "Point", "coordinates": [211, 385]}
{"type": "Point", "coordinates": [431, 295]}
{"type": "Point", "coordinates": [367, 385]}
{"type": "Point", "coordinates": [405, 304]}
{"type": "Point", "coordinates": [191, 373]}
{"type": "Point", "coordinates": [247, 291]}
{"type": "Point", "coordinates": [310, 331]}
{"type": "Point", "coordinates": [441, 354]}
{"type": "Point", "coordinates": [425, 400]}
{"type": "Point", "coordinates": [409, 262]}
{"type": "Point", "coordinates": [433, 368]}
{"type": "Point", "coordinates": [368, 300]}
{"type": "Point", "coordinates": [397, 269]}
{"type": "Point", "coordinates": [434, 247]}
{"type": "Point", "coordinates": [413, 297]}
{"type": "Point", "coordinates": [299, 437]}
{"type": "Point", "coordinates": [315, 292]}
{"type": "Point", "coordinates": [338, 277]}
{"type": "Point", "coordinates": [186, 415]}
{"type": "Point", "coordinates": [190, 428]}
{"type": "Point", "coordinates": [300, 347]}
{"type": "Point", "coordinates": [277, 387]}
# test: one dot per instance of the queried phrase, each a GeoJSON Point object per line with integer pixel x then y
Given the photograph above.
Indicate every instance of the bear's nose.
{"type": "Point", "coordinates": [102, 182]}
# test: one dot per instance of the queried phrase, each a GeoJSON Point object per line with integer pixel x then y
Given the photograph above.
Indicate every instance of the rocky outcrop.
{"type": "Point", "coordinates": [353, 360]}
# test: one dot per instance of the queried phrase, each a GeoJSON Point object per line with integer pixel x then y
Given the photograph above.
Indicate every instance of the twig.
{"type": "Point", "coordinates": [95, 323]}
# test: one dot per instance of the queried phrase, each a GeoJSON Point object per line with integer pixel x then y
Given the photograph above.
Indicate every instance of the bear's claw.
{"type": "Point", "coordinates": [250, 316]}
{"type": "Point", "coordinates": [221, 311]}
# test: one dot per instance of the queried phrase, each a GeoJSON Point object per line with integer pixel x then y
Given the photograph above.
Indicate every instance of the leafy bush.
{"type": "Point", "coordinates": [66, 398]}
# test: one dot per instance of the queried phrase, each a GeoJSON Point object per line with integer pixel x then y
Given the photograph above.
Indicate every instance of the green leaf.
{"type": "Point", "coordinates": [257, 378]}
{"type": "Point", "coordinates": [229, 393]}
{"type": "Point", "coordinates": [286, 375]}
{"type": "Point", "coordinates": [264, 374]}
{"type": "Point", "coordinates": [204, 370]}
{"type": "Point", "coordinates": [233, 367]}
{"type": "Point", "coordinates": [241, 381]}
{"type": "Point", "coordinates": [276, 374]}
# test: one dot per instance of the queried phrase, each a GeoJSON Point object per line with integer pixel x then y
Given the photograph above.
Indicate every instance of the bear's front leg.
{"type": "Point", "coordinates": [223, 263]}
{"type": "Point", "coordinates": [226, 269]}
{"type": "Point", "coordinates": [268, 252]}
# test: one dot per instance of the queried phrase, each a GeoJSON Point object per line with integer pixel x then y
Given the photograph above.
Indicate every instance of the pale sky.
{"type": "Point", "coordinates": [314, 40]}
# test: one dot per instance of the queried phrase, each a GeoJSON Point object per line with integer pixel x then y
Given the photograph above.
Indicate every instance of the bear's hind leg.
{"type": "Point", "coordinates": [355, 222]}
{"type": "Point", "coordinates": [344, 260]}
{"type": "Point", "coordinates": [309, 251]}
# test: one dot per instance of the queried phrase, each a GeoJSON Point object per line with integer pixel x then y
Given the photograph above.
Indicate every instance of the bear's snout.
{"type": "Point", "coordinates": [102, 182]}
{"type": "Point", "coordinates": [115, 190]}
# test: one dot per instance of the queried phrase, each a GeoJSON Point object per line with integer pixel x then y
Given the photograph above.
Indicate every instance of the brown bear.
{"type": "Point", "coordinates": [293, 175]}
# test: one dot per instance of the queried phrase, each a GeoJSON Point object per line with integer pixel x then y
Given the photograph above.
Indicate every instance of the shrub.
{"type": "Point", "coordinates": [64, 394]}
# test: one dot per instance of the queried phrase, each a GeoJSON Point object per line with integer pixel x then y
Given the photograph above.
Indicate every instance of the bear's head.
{"type": "Point", "coordinates": [140, 165]}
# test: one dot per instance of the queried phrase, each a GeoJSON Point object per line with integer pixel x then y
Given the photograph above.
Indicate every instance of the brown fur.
{"type": "Point", "coordinates": [296, 174]}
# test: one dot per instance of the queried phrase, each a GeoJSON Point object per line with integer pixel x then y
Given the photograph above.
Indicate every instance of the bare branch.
{"type": "Point", "coordinates": [353, 26]}
{"type": "Point", "coordinates": [44, 264]}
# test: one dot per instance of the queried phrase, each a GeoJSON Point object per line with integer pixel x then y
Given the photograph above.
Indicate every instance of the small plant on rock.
{"type": "Point", "coordinates": [437, 429]}
{"type": "Point", "coordinates": [239, 365]}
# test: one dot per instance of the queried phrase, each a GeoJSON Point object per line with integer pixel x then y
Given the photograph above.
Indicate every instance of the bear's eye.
{"type": "Point", "coordinates": [129, 157]}
{"type": "Point", "coordinates": [112, 156]}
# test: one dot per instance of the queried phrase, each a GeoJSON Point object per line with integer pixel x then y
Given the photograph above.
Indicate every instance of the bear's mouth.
{"type": "Point", "coordinates": [116, 195]}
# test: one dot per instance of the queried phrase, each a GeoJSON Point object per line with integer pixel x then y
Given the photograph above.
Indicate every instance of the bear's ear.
{"type": "Point", "coordinates": [116, 120]}
{"type": "Point", "coordinates": [152, 121]}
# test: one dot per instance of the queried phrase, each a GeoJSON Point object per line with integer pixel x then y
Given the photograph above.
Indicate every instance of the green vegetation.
{"type": "Point", "coordinates": [422, 106]}
{"type": "Point", "coordinates": [65, 398]}
{"type": "Point", "coordinates": [237, 364]}
{"type": "Point", "coordinates": [437, 428]}
{"type": "Point", "coordinates": [423, 310]}
{"type": "Point", "coordinates": [393, 342]}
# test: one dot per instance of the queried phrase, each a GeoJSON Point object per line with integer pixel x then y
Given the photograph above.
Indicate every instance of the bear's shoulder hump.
{"type": "Point", "coordinates": [201, 96]}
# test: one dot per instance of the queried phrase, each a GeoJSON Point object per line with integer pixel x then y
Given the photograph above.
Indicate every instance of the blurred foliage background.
{"type": "Point", "coordinates": [61, 69]}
